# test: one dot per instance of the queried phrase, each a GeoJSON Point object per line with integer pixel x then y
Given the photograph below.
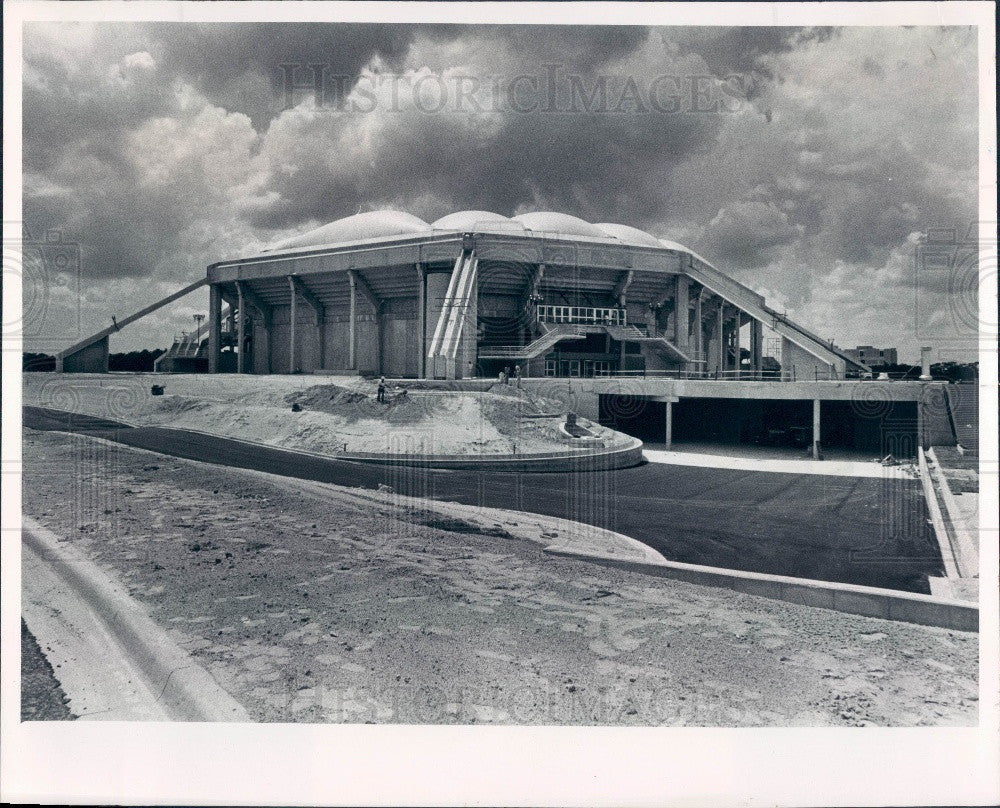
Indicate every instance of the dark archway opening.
{"type": "Point", "coordinates": [888, 428]}
{"type": "Point", "coordinates": [732, 421]}
{"type": "Point", "coordinates": [639, 417]}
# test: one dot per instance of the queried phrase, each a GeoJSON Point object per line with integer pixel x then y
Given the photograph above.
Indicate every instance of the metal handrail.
{"type": "Point", "coordinates": [582, 315]}
{"type": "Point", "coordinates": [515, 351]}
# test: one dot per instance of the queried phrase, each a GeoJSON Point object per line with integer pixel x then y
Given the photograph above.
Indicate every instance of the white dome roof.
{"type": "Point", "coordinates": [673, 245]}
{"type": "Point", "coordinates": [470, 220]}
{"type": "Point", "coordinates": [629, 235]}
{"type": "Point", "coordinates": [380, 224]}
{"type": "Point", "coordinates": [562, 223]}
{"type": "Point", "coordinates": [360, 227]}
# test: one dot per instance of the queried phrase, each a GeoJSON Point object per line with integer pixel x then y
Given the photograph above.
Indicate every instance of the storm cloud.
{"type": "Point", "coordinates": [787, 156]}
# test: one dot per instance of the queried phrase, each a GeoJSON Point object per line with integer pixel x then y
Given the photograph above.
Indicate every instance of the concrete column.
{"type": "Point", "coordinates": [922, 425]}
{"type": "Point", "coordinates": [293, 314]}
{"type": "Point", "coordinates": [757, 343]}
{"type": "Point", "coordinates": [421, 322]}
{"type": "Point", "coordinates": [352, 342]}
{"type": "Point", "coordinates": [321, 336]}
{"type": "Point", "coordinates": [699, 328]}
{"type": "Point", "coordinates": [736, 337]}
{"type": "Point", "coordinates": [379, 340]}
{"type": "Point", "coordinates": [214, 327]}
{"type": "Point", "coordinates": [925, 364]}
{"type": "Point", "coordinates": [816, 432]}
{"type": "Point", "coordinates": [241, 365]}
{"type": "Point", "coordinates": [681, 313]}
{"type": "Point", "coordinates": [720, 337]}
{"type": "Point", "coordinates": [669, 423]}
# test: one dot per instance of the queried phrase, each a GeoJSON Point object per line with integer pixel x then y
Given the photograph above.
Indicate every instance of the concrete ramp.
{"type": "Point", "coordinates": [90, 355]}
{"type": "Point", "coordinates": [452, 329]}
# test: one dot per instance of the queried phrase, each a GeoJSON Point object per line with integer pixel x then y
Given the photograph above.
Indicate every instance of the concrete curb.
{"type": "Point", "coordinates": [869, 601]}
{"type": "Point", "coordinates": [581, 460]}
{"type": "Point", "coordinates": [937, 521]}
{"type": "Point", "coordinates": [120, 664]}
{"type": "Point", "coordinates": [965, 546]}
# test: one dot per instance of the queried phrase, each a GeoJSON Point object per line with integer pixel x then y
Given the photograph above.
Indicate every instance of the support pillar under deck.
{"type": "Point", "coordinates": [668, 423]}
{"type": "Point", "coordinates": [816, 431]}
{"type": "Point", "coordinates": [352, 342]}
{"type": "Point", "coordinates": [214, 327]}
{"type": "Point", "coordinates": [293, 317]}
{"type": "Point", "coordinates": [241, 343]}
{"type": "Point", "coordinates": [421, 322]}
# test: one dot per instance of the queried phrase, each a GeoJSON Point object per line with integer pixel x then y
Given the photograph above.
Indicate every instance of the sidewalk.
{"type": "Point", "coordinates": [835, 468]}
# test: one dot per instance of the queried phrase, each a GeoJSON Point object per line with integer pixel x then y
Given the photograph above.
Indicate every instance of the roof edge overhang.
{"type": "Point", "coordinates": [528, 247]}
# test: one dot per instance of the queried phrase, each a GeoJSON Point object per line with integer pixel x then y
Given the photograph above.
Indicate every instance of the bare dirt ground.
{"type": "Point", "coordinates": [309, 604]}
{"type": "Point", "coordinates": [42, 697]}
{"type": "Point", "coordinates": [338, 414]}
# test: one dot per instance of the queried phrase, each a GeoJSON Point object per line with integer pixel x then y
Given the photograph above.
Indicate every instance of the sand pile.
{"type": "Point", "coordinates": [331, 417]}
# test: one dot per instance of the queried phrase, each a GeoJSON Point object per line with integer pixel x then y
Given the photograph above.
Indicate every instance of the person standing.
{"type": "Point", "coordinates": [381, 390]}
{"type": "Point", "coordinates": [517, 376]}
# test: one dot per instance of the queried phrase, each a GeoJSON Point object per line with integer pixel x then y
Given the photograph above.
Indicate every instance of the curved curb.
{"type": "Point", "coordinates": [583, 460]}
{"type": "Point", "coordinates": [118, 663]}
{"type": "Point", "coordinates": [606, 460]}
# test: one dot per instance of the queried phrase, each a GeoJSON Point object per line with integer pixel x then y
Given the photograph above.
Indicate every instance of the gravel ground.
{"type": "Point", "coordinates": [42, 698]}
{"type": "Point", "coordinates": [318, 607]}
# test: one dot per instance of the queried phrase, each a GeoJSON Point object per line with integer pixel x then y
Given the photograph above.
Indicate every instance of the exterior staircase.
{"type": "Point", "coordinates": [661, 345]}
{"type": "Point", "coordinates": [185, 350]}
{"type": "Point", "coordinates": [542, 345]}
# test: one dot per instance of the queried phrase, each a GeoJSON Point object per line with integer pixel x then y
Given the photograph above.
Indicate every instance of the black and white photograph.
{"type": "Point", "coordinates": [553, 382]}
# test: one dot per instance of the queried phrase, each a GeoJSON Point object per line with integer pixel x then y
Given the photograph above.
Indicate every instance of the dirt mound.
{"type": "Point", "coordinates": [399, 406]}
{"type": "Point", "coordinates": [179, 405]}
{"type": "Point", "coordinates": [324, 397]}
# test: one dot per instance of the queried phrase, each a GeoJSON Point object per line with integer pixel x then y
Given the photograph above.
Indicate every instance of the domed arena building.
{"type": "Point", "coordinates": [475, 292]}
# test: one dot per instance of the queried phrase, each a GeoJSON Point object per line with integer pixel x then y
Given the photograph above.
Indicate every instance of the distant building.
{"type": "Point", "coordinates": [870, 355]}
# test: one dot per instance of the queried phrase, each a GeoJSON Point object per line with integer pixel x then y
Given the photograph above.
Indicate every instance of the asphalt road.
{"type": "Point", "coordinates": [867, 531]}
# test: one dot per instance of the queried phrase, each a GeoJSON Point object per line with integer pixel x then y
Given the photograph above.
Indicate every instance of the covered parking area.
{"type": "Point", "coordinates": [781, 425]}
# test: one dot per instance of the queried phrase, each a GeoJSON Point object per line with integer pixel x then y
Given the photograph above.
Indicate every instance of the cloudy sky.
{"type": "Point", "coordinates": [806, 163]}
